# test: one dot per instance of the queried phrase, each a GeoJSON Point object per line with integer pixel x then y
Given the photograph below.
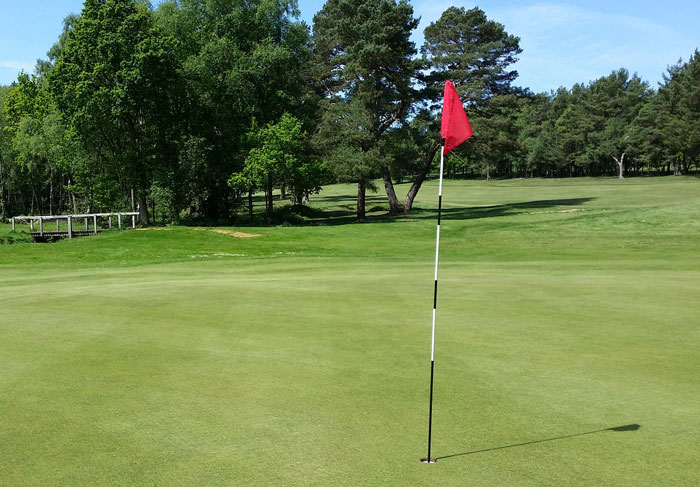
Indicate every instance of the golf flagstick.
{"type": "Point", "coordinates": [428, 459]}
{"type": "Point", "coordinates": [455, 129]}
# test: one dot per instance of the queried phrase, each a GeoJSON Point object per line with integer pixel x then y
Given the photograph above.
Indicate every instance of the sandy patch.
{"type": "Point", "coordinates": [218, 254]}
{"type": "Point", "coordinates": [574, 210]}
{"type": "Point", "coordinates": [236, 234]}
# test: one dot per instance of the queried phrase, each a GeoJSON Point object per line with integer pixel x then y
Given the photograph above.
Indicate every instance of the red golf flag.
{"type": "Point", "coordinates": [455, 124]}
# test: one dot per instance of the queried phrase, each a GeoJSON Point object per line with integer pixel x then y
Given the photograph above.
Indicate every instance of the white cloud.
{"type": "Point", "coordinates": [429, 11]}
{"type": "Point", "coordinates": [539, 19]}
{"type": "Point", "coordinates": [17, 65]}
{"type": "Point", "coordinates": [565, 44]}
{"type": "Point", "coordinates": [9, 69]}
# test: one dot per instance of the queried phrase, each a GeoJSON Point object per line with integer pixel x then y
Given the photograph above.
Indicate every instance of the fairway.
{"type": "Point", "coordinates": [568, 332]}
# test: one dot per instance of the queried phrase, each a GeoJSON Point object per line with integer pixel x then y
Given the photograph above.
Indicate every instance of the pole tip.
{"type": "Point", "coordinates": [428, 460]}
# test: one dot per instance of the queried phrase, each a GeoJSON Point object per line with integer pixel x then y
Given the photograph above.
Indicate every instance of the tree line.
{"type": "Point", "coordinates": [188, 109]}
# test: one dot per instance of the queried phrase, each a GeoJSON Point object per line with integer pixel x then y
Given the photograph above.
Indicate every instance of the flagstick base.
{"type": "Point", "coordinates": [425, 460]}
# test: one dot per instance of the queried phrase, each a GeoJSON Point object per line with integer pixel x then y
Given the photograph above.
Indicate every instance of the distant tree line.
{"type": "Point", "coordinates": [185, 111]}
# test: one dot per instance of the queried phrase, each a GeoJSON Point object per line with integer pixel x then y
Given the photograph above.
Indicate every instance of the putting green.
{"type": "Point", "coordinates": [567, 345]}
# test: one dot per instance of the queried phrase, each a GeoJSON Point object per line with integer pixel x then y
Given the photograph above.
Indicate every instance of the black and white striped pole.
{"type": "Point", "coordinates": [429, 459]}
{"type": "Point", "coordinates": [454, 129]}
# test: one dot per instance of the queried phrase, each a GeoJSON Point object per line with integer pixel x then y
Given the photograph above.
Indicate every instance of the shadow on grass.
{"type": "Point", "coordinates": [627, 427]}
{"type": "Point", "coordinates": [337, 210]}
{"type": "Point", "coordinates": [344, 215]}
{"type": "Point", "coordinates": [491, 211]}
{"type": "Point", "coordinates": [369, 198]}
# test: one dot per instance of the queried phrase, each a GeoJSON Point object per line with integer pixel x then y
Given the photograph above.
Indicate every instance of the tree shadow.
{"type": "Point", "coordinates": [492, 211]}
{"type": "Point", "coordinates": [369, 198]}
{"type": "Point", "coordinates": [345, 214]}
{"type": "Point", "coordinates": [337, 210]}
{"type": "Point", "coordinates": [627, 427]}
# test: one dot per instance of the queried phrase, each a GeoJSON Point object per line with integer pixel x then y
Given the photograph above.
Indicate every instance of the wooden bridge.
{"type": "Point", "coordinates": [44, 236]}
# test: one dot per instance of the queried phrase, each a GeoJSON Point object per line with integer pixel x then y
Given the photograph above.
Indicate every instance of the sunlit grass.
{"type": "Point", "coordinates": [300, 357]}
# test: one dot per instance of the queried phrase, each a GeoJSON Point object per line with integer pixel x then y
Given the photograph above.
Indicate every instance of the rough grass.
{"type": "Point", "coordinates": [567, 309]}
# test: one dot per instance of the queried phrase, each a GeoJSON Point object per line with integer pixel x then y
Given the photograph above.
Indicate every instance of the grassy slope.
{"type": "Point", "coordinates": [301, 356]}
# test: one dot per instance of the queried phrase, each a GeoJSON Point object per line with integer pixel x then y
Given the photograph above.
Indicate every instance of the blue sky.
{"type": "Point", "coordinates": [563, 42]}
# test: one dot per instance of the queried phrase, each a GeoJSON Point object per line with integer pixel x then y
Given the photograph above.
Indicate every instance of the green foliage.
{"type": "Point", "coordinates": [241, 61]}
{"type": "Point", "coordinates": [116, 80]}
{"type": "Point", "coordinates": [679, 113]}
{"type": "Point", "coordinates": [474, 52]}
{"type": "Point", "coordinates": [494, 148]}
{"type": "Point", "coordinates": [35, 148]}
{"type": "Point", "coordinates": [366, 72]}
{"type": "Point", "coordinates": [349, 148]}
{"type": "Point", "coordinates": [280, 157]}
{"type": "Point", "coordinates": [28, 98]}
{"type": "Point", "coordinates": [589, 129]}
{"type": "Point", "coordinates": [464, 46]}
{"type": "Point", "coordinates": [537, 136]}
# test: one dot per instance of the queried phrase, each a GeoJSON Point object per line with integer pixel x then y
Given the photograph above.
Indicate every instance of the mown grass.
{"type": "Point", "coordinates": [300, 357]}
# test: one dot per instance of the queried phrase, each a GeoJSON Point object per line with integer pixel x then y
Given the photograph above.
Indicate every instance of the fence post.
{"type": "Point", "coordinates": [119, 219]}
{"type": "Point", "coordinates": [109, 218]}
{"type": "Point", "coordinates": [133, 221]}
{"type": "Point", "coordinates": [70, 226]}
{"type": "Point", "coordinates": [31, 224]}
{"type": "Point", "coordinates": [41, 226]}
{"type": "Point", "coordinates": [13, 223]}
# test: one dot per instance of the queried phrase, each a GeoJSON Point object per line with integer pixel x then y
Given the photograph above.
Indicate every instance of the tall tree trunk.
{"type": "Point", "coordinates": [72, 198]}
{"type": "Point", "coordinates": [59, 198]}
{"type": "Point", "coordinates": [361, 193]}
{"type": "Point", "coordinates": [394, 208]}
{"type": "Point", "coordinates": [268, 201]}
{"type": "Point", "coordinates": [422, 174]}
{"type": "Point", "coordinates": [2, 192]}
{"type": "Point", "coordinates": [299, 197]}
{"type": "Point", "coordinates": [621, 165]}
{"type": "Point", "coordinates": [51, 193]}
{"type": "Point", "coordinates": [143, 210]}
{"type": "Point", "coordinates": [676, 167]}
